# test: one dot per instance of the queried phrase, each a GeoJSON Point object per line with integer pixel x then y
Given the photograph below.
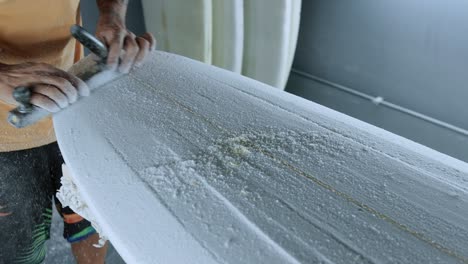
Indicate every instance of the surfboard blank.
{"type": "Point", "coordinates": [293, 35]}
{"type": "Point", "coordinates": [182, 162]}
{"type": "Point", "coordinates": [228, 34]}
{"type": "Point", "coordinates": [255, 38]}
{"type": "Point", "coordinates": [181, 27]}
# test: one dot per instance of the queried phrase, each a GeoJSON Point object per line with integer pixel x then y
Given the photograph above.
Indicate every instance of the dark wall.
{"type": "Point", "coordinates": [135, 19]}
{"type": "Point", "coordinates": [413, 53]}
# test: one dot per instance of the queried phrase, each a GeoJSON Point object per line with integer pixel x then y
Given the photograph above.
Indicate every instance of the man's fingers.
{"type": "Point", "coordinates": [152, 41]}
{"type": "Point", "coordinates": [77, 83]}
{"type": "Point", "coordinates": [66, 88]}
{"type": "Point", "coordinates": [131, 50]}
{"type": "Point", "coordinates": [147, 44]}
{"type": "Point", "coordinates": [115, 48]}
{"type": "Point", "coordinates": [52, 88]}
{"type": "Point", "coordinates": [114, 55]}
{"type": "Point", "coordinates": [81, 86]}
{"type": "Point", "coordinates": [144, 50]}
{"type": "Point", "coordinates": [44, 102]}
{"type": "Point", "coordinates": [71, 85]}
{"type": "Point", "coordinates": [60, 83]}
{"type": "Point", "coordinates": [52, 93]}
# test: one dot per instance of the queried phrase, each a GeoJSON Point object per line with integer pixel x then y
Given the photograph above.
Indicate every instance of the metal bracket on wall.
{"type": "Point", "coordinates": [381, 102]}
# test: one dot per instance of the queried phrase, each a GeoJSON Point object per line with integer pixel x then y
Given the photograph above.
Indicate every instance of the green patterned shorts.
{"type": "Point", "coordinates": [29, 180]}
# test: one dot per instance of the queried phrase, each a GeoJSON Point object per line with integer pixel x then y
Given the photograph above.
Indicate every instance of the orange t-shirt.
{"type": "Point", "coordinates": [35, 31]}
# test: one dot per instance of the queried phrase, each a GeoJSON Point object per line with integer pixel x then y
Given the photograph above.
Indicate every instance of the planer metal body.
{"type": "Point", "coordinates": [27, 114]}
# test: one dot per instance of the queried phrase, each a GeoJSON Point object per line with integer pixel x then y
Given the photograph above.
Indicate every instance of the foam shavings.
{"type": "Point", "coordinates": [69, 195]}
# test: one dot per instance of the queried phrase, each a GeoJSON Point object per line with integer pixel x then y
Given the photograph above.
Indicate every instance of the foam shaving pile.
{"type": "Point", "coordinates": [69, 195]}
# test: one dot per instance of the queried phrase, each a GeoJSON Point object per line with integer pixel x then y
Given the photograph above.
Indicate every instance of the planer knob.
{"type": "Point", "coordinates": [22, 95]}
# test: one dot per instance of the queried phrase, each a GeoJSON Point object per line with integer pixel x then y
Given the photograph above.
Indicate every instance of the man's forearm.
{"type": "Point", "coordinates": [113, 7]}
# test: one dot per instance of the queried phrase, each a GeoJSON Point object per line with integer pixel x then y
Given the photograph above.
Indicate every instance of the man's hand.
{"type": "Point", "coordinates": [112, 31]}
{"type": "Point", "coordinates": [52, 88]}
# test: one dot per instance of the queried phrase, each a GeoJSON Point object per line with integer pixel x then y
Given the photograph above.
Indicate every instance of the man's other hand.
{"type": "Point", "coordinates": [125, 49]}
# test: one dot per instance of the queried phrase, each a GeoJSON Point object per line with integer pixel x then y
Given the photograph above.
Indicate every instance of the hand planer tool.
{"type": "Point", "coordinates": [27, 114]}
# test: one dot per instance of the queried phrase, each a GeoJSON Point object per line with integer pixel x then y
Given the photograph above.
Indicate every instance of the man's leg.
{"type": "Point", "coordinates": [86, 253]}
{"type": "Point", "coordinates": [77, 230]}
{"type": "Point", "coordinates": [24, 194]}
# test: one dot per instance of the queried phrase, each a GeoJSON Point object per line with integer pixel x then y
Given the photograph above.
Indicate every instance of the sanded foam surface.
{"type": "Point", "coordinates": [187, 163]}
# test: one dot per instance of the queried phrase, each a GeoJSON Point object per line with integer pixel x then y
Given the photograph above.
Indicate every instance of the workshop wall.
{"type": "Point", "coordinates": [413, 53]}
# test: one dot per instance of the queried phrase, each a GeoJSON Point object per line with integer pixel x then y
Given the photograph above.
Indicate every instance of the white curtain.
{"type": "Point", "coordinates": [256, 38]}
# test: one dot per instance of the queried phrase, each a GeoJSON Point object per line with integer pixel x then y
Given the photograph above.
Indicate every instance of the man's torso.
{"type": "Point", "coordinates": [35, 31]}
